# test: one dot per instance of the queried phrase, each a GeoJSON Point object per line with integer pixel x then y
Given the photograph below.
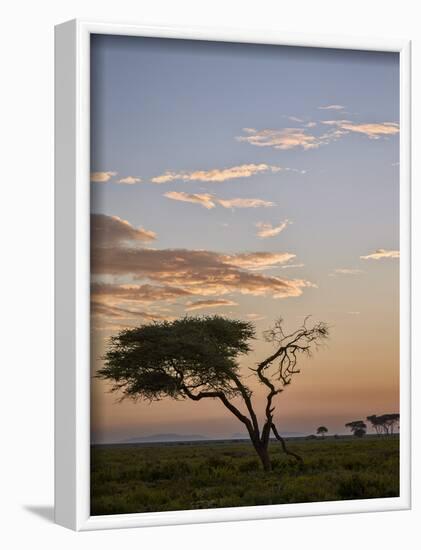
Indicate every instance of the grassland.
{"type": "Point", "coordinates": [182, 476]}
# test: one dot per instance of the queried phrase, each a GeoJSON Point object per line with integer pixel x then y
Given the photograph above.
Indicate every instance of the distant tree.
{"type": "Point", "coordinates": [322, 430]}
{"type": "Point", "coordinates": [359, 432]}
{"type": "Point", "coordinates": [390, 422]}
{"type": "Point", "coordinates": [357, 427]}
{"type": "Point", "coordinates": [196, 358]}
{"type": "Point", "coordinates": [385, 423]}
{"type": "Point", "coordinates": [376, 423]}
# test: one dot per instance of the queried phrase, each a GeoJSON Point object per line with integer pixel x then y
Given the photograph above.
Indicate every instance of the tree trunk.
{"type": "Point", "coordinates": [264, 458]}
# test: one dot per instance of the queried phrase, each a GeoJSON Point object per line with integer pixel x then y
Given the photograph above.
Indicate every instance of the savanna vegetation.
{"type": "Point", "coordinates": [179, 476]}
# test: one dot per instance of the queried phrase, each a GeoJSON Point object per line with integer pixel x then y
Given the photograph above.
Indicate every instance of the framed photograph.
{"type": "Point", "coordinates": [232, 275]}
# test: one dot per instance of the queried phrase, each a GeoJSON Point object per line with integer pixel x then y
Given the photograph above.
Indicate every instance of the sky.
{"type": "Point", "coordinates": [254, 182]}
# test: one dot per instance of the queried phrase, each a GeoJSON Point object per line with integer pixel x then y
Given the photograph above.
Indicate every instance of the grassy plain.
{"type": "Point", "coordinates": [183, 476]}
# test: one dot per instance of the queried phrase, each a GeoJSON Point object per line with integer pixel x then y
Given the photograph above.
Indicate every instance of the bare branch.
{"type": "Point", "coordinates": [288, 346]}
{"type": "Point", "coordinates": [284, 447]}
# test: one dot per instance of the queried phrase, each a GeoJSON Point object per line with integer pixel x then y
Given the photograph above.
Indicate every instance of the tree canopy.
{"type": "Point", "coordinates": [357, 427]}
{"type": "Point", "coordinates": [174, 359]}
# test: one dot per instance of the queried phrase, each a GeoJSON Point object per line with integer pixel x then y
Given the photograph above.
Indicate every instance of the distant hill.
{"type": "Point", "coordinates": [174, 437]}
{"type": "Point", "coordinates": [283, 434]}
{"type": "Point", "coordinates": [158, 438]}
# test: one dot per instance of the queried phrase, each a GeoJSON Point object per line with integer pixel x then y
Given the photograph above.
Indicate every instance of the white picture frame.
{"type": "Point", "coordinates": [72, 277]}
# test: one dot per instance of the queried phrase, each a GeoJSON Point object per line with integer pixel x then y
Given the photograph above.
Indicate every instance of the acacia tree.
{"type": "Point", "coordinates": [197, 358]}
{"type": "Point", "coordinates": [357, 427]}
{"type": "Point", "coordinates": [322, 430]}
{"type": "Point", "coordinates": [376, 423]}
{"type": "Point", "coordinates": [390, 422]}
{"type": "Point", "coordinates": [385, 423]}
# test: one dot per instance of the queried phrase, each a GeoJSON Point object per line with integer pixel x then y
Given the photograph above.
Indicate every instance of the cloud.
{"type": "Point", "coordinates": [217, 174]}
{"type": "Point", "coordinates": [130, 180]}
{"type": "Point", "coordinates": [99, 309]}
{"type": "Point", "coordinates": [373, 130]}
{"type": "Point", "coordinates": [245, 203]}
{"type": "Point", "coordinates": [345, 271]}
{"type": "Point", "coordinates": [266, 230]}
{"type": "Point", "coordinates": [380, 254]}
{"type": "Point", "coordinates": [205, 199]}
{"type": "Point", "coordinates": [303, 138]}
{"type": "Point", "coordinates": [259, 260]}
{"type": "Point", "coordinates": [200, 272]}
{"type": "Point", "coordinates": [114, 302]}
{"type": "Point", "coordinates": [102, 177]}
{"type": "Point", "coordinates": [114, 318]}
{"type": "Point", "coordinates": [292, 265]}
{"type": "Point", "coordinates": [120, 302]}
{"type": "Point", "coordinates": [286, 138]}
{"type": "Point", "coordinates": [332, 107]}
{"type": "Point", "coordinates": [111, 230]}
{"type": "Point", "coordinates": [210, 201]}
{"type": "Point", "coordinates": [201, 304]}
{"type": "Point", "coordinates": [145, 293]}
